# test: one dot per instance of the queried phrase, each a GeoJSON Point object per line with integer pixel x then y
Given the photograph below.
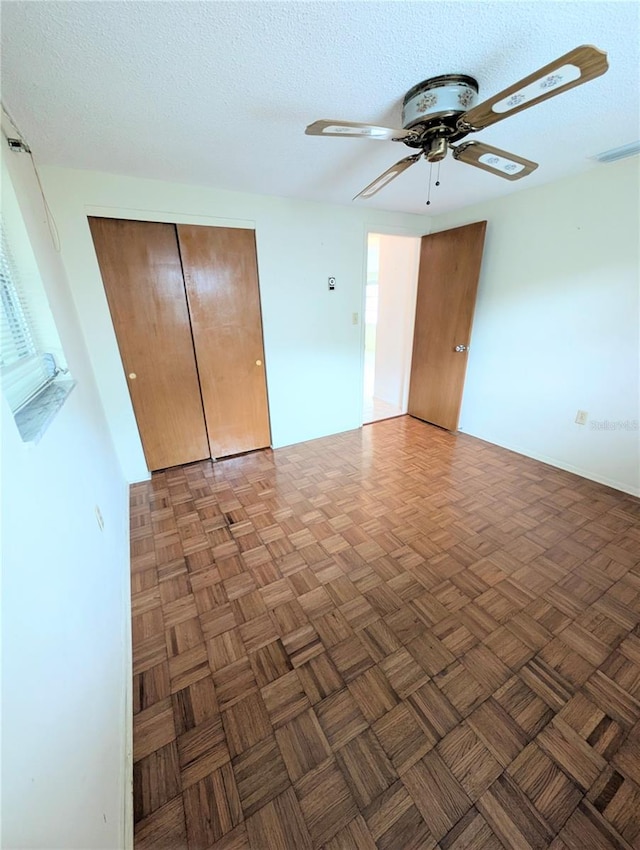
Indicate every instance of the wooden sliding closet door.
{"type": "Point", "coordinates": [142, 275]}
{"type": "Point", "coordinates": [221, 278]}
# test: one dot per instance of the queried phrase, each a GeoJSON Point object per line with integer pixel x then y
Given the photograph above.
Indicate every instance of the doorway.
{"type": "Point", "coordinates": [390, 303]}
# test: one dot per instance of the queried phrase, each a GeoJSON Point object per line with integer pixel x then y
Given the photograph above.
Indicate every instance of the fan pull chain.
{"type": "Point", "coordinates": [438, 175]}
{"type": "Point", "coordinates": [429, 189]}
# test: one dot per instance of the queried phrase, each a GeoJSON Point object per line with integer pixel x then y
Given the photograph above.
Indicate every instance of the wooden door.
{"type": "Point", "coordinates": [142, 275]}
{"type": "Point", "coordinates": [221, 278]}
{"type": "Point", "coordinates": [447, 285]}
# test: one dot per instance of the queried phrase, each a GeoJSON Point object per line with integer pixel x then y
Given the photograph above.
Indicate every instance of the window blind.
{"type": "Point", "coordinates": [22, 366]}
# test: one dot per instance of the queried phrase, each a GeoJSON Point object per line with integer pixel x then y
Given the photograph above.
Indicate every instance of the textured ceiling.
{"type": "Point", "coordinates": [219, 93]}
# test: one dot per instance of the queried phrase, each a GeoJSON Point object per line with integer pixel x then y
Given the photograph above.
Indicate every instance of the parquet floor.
{"type": "Point", "coordinates": [375, 409]}
{"type": "Point", "coordinates": [394, 638]}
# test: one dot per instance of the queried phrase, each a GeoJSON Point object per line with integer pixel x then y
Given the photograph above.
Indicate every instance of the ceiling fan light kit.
{"type": "Point", "coordinates": [441, 111]}
{"type": "Point", "coordinates": [437, 99]}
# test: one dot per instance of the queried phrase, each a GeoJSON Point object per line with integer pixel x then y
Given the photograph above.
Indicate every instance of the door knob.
{"type": "Point", "coordinates": [258, 362]}
{"type": "Point", "coordinates": [133, 376]}
{"type": "Point", "coordinates": [461, 348]}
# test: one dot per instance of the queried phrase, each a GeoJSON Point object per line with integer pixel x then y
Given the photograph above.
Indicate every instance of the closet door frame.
{"type": "Point", "coordinates": [175, 219]}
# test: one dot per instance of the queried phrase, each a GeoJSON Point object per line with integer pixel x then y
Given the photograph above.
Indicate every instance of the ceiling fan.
{"type": "Point", "coordinates": [440, 111]}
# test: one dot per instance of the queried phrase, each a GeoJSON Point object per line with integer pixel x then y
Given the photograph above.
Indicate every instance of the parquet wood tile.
{"type": "Point", "coordinates": [500, 733]}
{"type": "Point", "coordinates": [320, 678]}
{"type": "Point", "coordinates": [394, 638]}
{"type": "Point", "coordinates": [571, 752]}
{"type": "Point", "coordinates": [618, 800]}
{"type": "Point", "coordinates": [354, 836]}
{"type": "Point", "coordinates": [627, 759]}
{"type": "Point", "coordinates": [513, 817]}
{"type": "Point", "coordinates": [285, 698]}
{"type": "Point", "coordinates": [212, 808]}
{"type": "Point", "coordinates": [270, 663]}
{"type": "Point", "coordinates": [373, 694]}
{"type": "Point", "coordinates": [156, 780]}
{"type": "Point", "coordinates": [366, 768]}
{"type": "Point", "coordinates": [379, 640]}
{"type": "Point", "coordinates": [302, 645]}
{"type": "Point", "coordinates": [394, 821]}
{"type": "Point", "coordinates": [472, 832]}
{"type": "Point", "coordinates": [188, 667]}
{"type": "Point", "coordinates": [165, 829]}
{"type": "Point", "coordinates": [202, 749]}
{"type": "Point", "coordinates": [402, 738]}
{"type": "Point", "coordinates": [435, 713]}
{"type": "Point", "coordinates": [341, 718]}
{"type": "Point", "coordinates": [404, 674]}
{"type": "Point", "coordinates": [587, 828]}
{"type": "Point", "coordinates": [245, 723]}
{"type": "Point", "coordinates": [594, 724]}
{"type": "Point", "coordinates": [437, 794]}
{"type": "Point", "coordinates": [260, 775]}
{"type": "Point", "coordinates": [524, 706]}
{"type": "Point", "coordinates": [470, 761]}
{"type": "Point", "coordinates": [303, 744]}
{"type": "Point", "coordinates": [326, 802]}
{"type": "Point", "coordinates": [150, 687]}
{"type": "Point", "coordinates": [149, 653]}
{"type": "Point", "coordinates": [279, 824]}
{"type": "Point", "coordinates": [234, 682]}
{"type": "Point", "coordinates": [463, 690]}
{"type": "Point", "coordinates": [153, 728]}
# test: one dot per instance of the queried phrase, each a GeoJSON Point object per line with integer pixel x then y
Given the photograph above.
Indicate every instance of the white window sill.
{"type": "Point", "coordinates": [36, 416]}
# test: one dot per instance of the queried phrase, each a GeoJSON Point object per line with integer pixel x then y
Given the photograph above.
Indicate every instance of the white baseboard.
{"type": "Point", "coordinates": [558, 464]}
{"type": "Point", "coordinates": [127, 762]}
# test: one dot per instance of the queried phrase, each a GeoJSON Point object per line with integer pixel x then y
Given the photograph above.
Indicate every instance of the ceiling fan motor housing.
{"type": "Point", "coordinates": [438, 101]}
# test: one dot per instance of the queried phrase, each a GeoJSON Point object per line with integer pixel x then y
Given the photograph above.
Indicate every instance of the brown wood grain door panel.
{"type": "Point", "coordinates": [221, 279]}
{"type": "Point", "coordinates": [447, 286]}
{"type": "Point", "coordinates": [142, 275]}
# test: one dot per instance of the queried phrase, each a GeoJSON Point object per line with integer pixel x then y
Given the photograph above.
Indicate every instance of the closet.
{"type": "Point", "coordinates": [185, 305]}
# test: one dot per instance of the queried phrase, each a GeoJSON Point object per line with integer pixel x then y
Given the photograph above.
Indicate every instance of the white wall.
{"type": "Point", "coordinates": [557, 324]}
{"type": "Point", "coordinates": [65, 602]}
{"type": "Point", "coordinates": [399, 258]}
{"type": "Point", "coordinates": [313, 351]}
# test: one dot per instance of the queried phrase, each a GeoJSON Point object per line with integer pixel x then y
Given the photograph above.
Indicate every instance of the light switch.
{"type": "Point", "coordinates": [332, 284]}
{"type": "Point", "coordinates": [354, 318]}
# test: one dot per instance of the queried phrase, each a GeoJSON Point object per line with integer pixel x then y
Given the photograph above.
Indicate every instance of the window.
{"type": "Point", "coordinates": [25, 370]}
{"type": "Point", "coordinates": [33, 368]}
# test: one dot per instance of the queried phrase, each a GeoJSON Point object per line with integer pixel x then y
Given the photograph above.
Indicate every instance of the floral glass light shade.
{"type": "Point", "coordinates": [439, 97]}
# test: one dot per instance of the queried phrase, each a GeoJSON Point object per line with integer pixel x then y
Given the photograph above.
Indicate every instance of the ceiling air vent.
{"type": "Point", "coordinates": [615, 154]}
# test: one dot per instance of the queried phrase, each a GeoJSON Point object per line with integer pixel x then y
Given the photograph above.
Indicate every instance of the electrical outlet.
{"type": "Point", "coordinates": [581, 417]}
{"type": "Point", "coordinates": [100, 518]}
{"type": "Point", "coordinates": [355, 318]}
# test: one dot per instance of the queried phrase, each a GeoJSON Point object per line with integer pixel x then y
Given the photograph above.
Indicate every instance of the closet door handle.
{"type": "Point", "coordinates": [132, 376]}
{"type": "Point", "coordinates": [258, 362]}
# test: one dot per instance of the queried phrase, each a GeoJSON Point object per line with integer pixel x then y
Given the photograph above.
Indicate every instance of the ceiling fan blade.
{"type": "Point", "coordinates": [574, 68]}
{"type": "Point", "coordinates": [389, 175]}
{"type": "Point", "coordinates": [327, 127]}
{"type": "Point", "coordinates": [494, 160]}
